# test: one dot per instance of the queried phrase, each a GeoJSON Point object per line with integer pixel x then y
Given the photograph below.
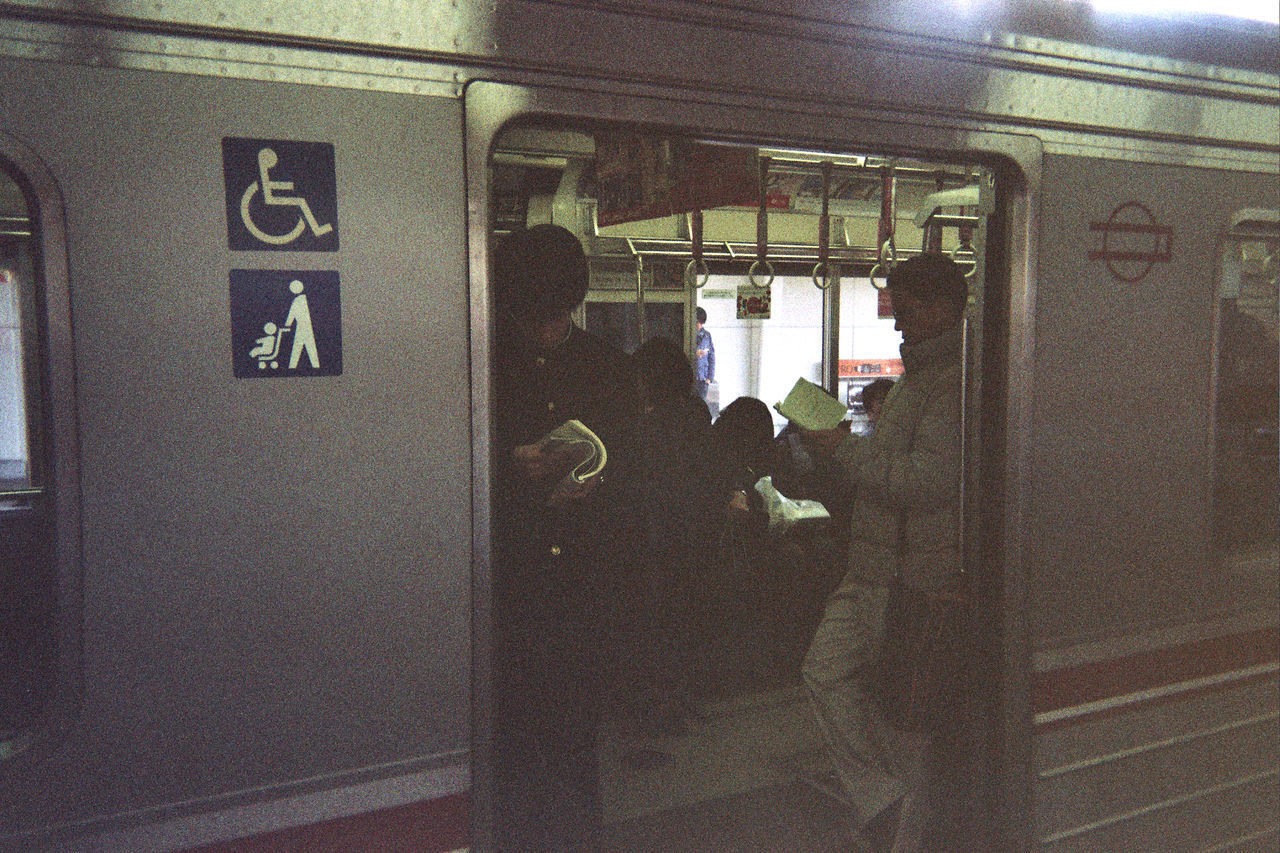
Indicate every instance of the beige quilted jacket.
{"type": "Point", "coordinates": [906, 473]}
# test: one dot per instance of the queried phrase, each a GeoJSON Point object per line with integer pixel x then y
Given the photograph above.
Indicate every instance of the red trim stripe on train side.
{"type": "Point", "coordinates": [1068, 695]}
{"type": "Point", "coordinates": [433, 826]}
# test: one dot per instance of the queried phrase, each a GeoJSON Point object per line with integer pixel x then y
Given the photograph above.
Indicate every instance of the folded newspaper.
{"type": "Point", "coordinates": [581, 451]}
{"type": "Point", "coordinates": [810, 407]}
{"type": "Point", "coordinates": [784, 512]}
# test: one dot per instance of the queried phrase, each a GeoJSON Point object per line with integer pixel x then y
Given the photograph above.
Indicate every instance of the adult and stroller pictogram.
{"type": "Point", "coordinates": [281, 195]}
{"type": "Point", "coordinates": [285, 323]}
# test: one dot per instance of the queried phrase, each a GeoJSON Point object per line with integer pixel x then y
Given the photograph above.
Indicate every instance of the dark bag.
{"type": "Point", "coordinates": [918, 680]}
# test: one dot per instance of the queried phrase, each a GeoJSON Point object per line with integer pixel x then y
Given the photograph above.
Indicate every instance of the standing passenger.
{"type": "Point", "coordinates": [905, 519]}
{"type": "Point", "coordinates": [556, 561]}
{"type": "Point", "coordinates": [673, 433]}
{"type": "Point", "coordinates": [705, 352]}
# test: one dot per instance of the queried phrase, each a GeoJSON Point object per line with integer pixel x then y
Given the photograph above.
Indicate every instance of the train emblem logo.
{"type": "Point", "coordinates": [1132, 242]}
{"type": "Point", "coordinates": [285, 323]}
{"type": "Point", "coordinates": [281, 195]}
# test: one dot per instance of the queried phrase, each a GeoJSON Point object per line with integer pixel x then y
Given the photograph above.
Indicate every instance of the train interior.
{"type": "Point", "coordinates": [743, 767]}
{"type": "Point", "coordinates": [740, 764]}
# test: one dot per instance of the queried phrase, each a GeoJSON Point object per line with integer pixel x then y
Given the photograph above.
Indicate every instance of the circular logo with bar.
{"type": "Point", "coordinates": [1132, 242]}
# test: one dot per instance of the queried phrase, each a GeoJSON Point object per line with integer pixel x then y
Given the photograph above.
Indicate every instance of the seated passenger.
{"type": "Point", "coordinates": [742, 447]}
{"type": "Point", "coordinates": [738, 615]}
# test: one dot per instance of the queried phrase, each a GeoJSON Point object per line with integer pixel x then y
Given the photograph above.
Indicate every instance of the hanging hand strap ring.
{"type": "Point", "coordinates": [762, 231]}
{"type": "Point", "coordinates": [822, 270]}
{"type": "Point", "coordinates": [887, 252]}
{"type": "Point", "coordinates": [696, 272]}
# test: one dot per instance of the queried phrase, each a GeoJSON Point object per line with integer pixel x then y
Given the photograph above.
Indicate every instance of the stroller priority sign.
{"type": "Point", "coordinates": [285, 323]}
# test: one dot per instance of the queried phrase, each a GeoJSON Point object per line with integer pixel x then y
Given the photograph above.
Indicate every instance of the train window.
{"type": "Point", "coordinates": [1245, 400]}
{"type": "Point", "coordinates": [29, 578]}
{"type": "Point", "coordinates": [763, 357]}
{"type": "Point", "coordinates": [15, 295]}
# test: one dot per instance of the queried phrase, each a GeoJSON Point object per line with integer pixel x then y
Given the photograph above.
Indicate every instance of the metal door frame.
{"type": "Point", "coordinates": [489, 107]}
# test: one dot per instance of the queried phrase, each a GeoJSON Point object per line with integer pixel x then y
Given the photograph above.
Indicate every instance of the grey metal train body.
{"type": "Point", "coordinates": [246, 579]}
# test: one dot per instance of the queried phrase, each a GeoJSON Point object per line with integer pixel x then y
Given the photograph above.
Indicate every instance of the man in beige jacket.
{"type": "Point", "coordinates": [905, 522]}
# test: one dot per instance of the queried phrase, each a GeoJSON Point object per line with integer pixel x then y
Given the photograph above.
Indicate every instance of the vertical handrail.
{"type": "Point", "coordinates": [961, 539]}
{"type": "Point", "coordinates": [932, 237]}
{"type": "Point", "coordinates": [640, 318]}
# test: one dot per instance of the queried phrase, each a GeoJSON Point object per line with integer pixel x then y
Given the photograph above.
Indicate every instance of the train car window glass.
{"type": "Point", "coordinates": [28, 575]}
{"type": "Point", "coordinates": [868, 346]}
{"type": "Point", "coordinates": [614, 321]}
{"type": "Point", "coordinates": [16, 294]}
{"type": "Point", "coordinates": [1245, 400]}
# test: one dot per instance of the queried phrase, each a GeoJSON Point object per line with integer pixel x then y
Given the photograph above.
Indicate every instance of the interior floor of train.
{"type": "Point", "coordinates": [732, 781]}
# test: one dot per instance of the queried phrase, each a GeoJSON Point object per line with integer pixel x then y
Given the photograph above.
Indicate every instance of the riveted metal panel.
{"type": "Point", "coordinates": [980, 74]}
{"type": "Point", "coordinates": [264, 59]}
{"type": "Point", "coordinates": [442, 26]}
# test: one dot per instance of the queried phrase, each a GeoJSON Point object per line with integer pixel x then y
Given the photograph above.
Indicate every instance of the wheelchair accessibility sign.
{"type": "Point", "coordinates": [281, 195]}
{"type": "Point", "coordinates": [285, 323]}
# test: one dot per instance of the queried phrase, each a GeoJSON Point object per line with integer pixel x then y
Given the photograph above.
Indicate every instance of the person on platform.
{"type": "Point", "coordinates": [704, 351]}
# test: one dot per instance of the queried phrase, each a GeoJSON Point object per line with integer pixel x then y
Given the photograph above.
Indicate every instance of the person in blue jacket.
{"type": "Point", "coordinates": [705, 361]}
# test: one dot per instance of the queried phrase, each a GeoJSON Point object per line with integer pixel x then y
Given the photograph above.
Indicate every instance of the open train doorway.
{"type": "Point", "coordinates": [775, 258]}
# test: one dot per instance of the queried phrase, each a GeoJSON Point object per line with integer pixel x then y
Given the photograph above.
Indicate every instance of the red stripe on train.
{"type": "Point", "coordinates": [433, 826]}
{"type": "Point", "coordinates": [1078, 685]}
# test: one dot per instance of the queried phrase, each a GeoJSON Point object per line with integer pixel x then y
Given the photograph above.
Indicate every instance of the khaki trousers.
{"type": "Point", "coordinates": [877, 764]}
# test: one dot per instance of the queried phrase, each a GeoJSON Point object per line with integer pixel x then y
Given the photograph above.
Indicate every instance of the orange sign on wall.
{"type": "Point", "coordinates": [870, 368]}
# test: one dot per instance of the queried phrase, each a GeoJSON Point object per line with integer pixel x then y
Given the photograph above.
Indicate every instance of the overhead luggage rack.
{"type": "Point", "coordinates": [725, 250]}
{"type": "Point", "coordinates": [737, 251]}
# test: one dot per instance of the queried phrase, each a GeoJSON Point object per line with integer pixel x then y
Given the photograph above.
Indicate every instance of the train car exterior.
{"type": "Point", "coordinates": [247, 607]}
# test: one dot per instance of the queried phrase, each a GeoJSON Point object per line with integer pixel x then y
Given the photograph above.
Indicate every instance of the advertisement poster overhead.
{"type": "Point", "coordinates": [645, 177]}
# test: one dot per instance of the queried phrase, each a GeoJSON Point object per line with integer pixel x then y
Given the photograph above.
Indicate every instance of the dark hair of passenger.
{"type": "Point", "coordinates": [539, 273]}
{"type": "Point", "coordinates": [930, 276]}
{"type": "Point", "coordinates": [744, 430]}
{"type": "Point", "coordinates": [664, 369]}
{"type": "Point", "coordinates": [701, 314]}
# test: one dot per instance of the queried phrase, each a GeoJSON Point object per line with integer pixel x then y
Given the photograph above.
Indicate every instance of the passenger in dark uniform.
{"type": "Point", "coordinates": [677, 505]}
{"type": "Point", "coordinates": [560, 555]}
